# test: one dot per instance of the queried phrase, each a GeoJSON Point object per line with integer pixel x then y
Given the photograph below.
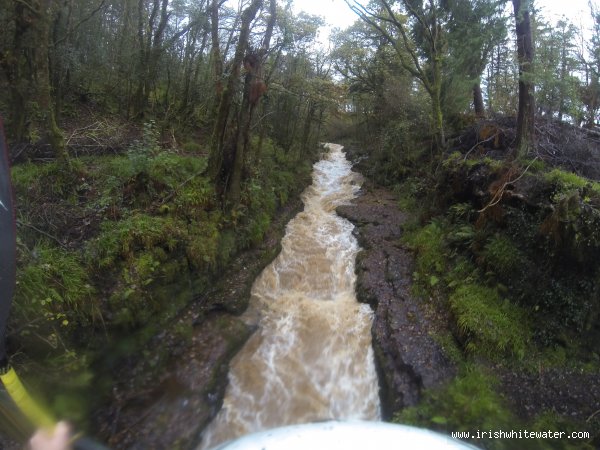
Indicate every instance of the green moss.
{"type": "Point", "coordinates": [449, 346]}
{"type": "Point", "coordinates": [565, 180]}
{"type": "Point", "coordinates": [491, 326]}
{"type": "Point", "coordinates": [457, 159]}
{"type": "Point", "coordinates": [551, 421]}
{"type": "Point", "coordinates": [574, 228]}
{"type": "Point", "coordinates": [429, 245]}
{"type": "Point", "coordinates": [203, 244]}
{"type": "Point", "coordinates": [501, 255]}
{"type": "Point", "coordinates": [469, 402]}
{"type": "Point", "coordinates": [193, 197]}
{"type": "Point", "coordinates": [171, 169]}
{"type": "Point", "coordinates": [49, 180]}
{"type": "Point", "coordinates": [227, 246]}
{"type": "Point", "coordinates": [54, 286]}
{"type": "Point", "coordinates": [192, 147]}
{"type": "Point", "coordinates": [257, 228]}
{"type": "Point", "coordinates": [535, 165]}
{"type": "Point", "coordinates": [139, 232]}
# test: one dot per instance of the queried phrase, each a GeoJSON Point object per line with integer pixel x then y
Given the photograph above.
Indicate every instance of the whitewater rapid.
{"type": "Point", "coordinates": [311, 357]}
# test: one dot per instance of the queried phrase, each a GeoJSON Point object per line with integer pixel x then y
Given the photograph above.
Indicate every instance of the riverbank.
{"type": "Point", "coordinates": [408, 358]}
{"type": "Point", "coordinates": [168, 408]}
{"type": "Point", "coordinates": [463, 277]}
{"type": "Point", "coordinates": [123, 262]}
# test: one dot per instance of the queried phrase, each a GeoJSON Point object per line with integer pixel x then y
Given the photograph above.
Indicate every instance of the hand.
{"type": "Point", "coordinates": [57, 439]}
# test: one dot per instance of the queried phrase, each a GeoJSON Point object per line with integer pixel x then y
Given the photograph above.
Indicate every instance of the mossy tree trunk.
{"type": "Point", "coordinates": [254, 88]}
{"type": "Point", "coordinates": [478, 104]}
{"type": "Point", "coordinates": [226, 129]}
{"type": "Point", "coordinates": [435, 92]}
{"type": "Point", "coordinates": [526, 114]}
{"type": "Point", "coordinates": [28, 71]}
{"type": "Point", "coordinates": [215, 53]}
{"type": "Point", "coordinates": [14, 64]}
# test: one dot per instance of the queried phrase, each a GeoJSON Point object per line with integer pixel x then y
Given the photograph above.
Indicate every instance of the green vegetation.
{"type": "Point", "coordinates": [519, 280]}
{"type": "Point", "coordinates": [428, 242]}
{"type": "Point", "coordinates": [131, 240]}
{"type": "Point", "coordinates": [55, 299]}
{"type": "Point", "coordinates": [505, 226]}
{"type": "Point", "coordinates": [469, 403]}
{"type": "Point", "coordinates": [489, 325]}
{"type": "Point", "coordinates": [143, 171]}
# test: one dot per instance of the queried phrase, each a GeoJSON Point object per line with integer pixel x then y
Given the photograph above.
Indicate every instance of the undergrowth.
{"type": "Point", "coordinates": [520, 278]}
{"type": "Point", "coordinates": [469, 403]}
{"type": "Point", "coordinates": [117, 245]}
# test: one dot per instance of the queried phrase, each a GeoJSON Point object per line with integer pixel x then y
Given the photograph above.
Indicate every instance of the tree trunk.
{"type": "Point", "coordinates": [29, 74]}
{"type": "Point", "coordinates": [526, 115]}
{"type": "Point", "coordinates": [437, 114]}
{"type": "Point", "coordinates": [436, 98]}
{"type": "Point", "coordinates": [563, 76]}
{"type": "Point", "coordinates": [254, 88]}
{"type": "Point", "coordinates": [150, 36]}
{"type": "Point", "coordinates": [215, 53]}
{"type": "Point", "coordinates": [478, 101]}
{"type": "Point", "coordinates": [225, 138]}
{"type": "Point", "coordinates": [234, 189]}
{"type": "Point", "coordinates": [44, 97]}
{"type": "Point", "coordinates": [15, 64]}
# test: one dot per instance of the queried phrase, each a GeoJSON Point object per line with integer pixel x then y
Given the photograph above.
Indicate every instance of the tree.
{"type": "Point", "coordinates": [475, 27]}
{"type": "Point", "coordinates": [226, 131]}
{"type": "Point", "coordinates": [254, 88]}
{"type": "Point", "coordinates": [291, 71]}
{"type": "Point", "coordinates": [591, 91]}
{"type": "Point", "coordinates": [557, 85]}
{"type": "Point", "coordinates": [502, 79]}
{"type": "Point", "coordinates": [380, 89]}
{"type": "Point", "coordinates": [419, 39]}
{"type": "Point", "coordinates": [27, 68]}
{"type": "Point", "coordinates": [526, 113]}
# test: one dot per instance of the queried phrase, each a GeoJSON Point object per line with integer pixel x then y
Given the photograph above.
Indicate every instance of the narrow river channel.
{"type": "Point", "coordinates": [311, 357]}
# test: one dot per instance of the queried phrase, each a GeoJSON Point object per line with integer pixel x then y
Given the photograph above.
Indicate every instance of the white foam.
{"type": "Point", "coordinates": [311, 358]}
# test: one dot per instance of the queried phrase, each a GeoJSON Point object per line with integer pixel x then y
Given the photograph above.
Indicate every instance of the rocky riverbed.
{"type": "Point", "coordinates": [408, 358]}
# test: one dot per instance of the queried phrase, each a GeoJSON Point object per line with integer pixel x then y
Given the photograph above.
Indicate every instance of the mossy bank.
{"type": "Point", "coordinates": [112, 250]}
{"type": "Point", "coordinates": [504, 258]}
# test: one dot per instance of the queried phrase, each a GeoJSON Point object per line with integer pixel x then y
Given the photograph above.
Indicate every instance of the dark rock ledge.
{"type": "Point", "coordinates": [408, 358]}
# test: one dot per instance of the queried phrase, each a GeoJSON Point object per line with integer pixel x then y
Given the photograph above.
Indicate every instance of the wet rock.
{"type": "Point", "coordinates": [408, 358]}
{"type": "Point", "coordinates": [174, 407]}
{"type": "Point", "coordinates": [568, 392]}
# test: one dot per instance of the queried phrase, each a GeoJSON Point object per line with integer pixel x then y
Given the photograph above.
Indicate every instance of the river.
{"type": "Point", "coordinates": [311, 357]}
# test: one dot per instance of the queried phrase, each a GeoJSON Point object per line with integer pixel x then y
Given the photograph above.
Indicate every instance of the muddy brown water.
{"type": "Point", "coordinates": [311, 357]}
